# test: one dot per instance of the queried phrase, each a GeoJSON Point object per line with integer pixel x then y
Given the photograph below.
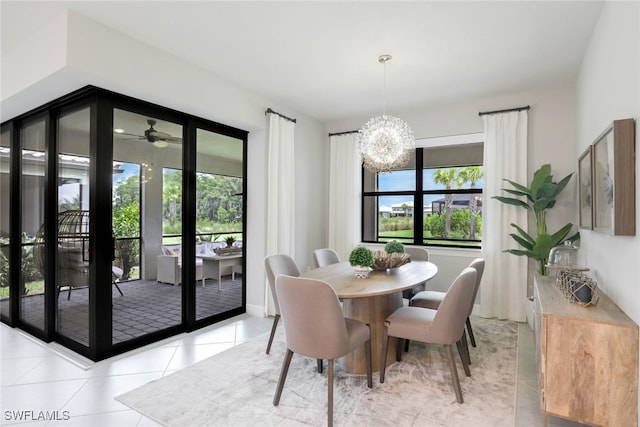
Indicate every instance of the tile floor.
{"type": "Point", "coordinates": [45, 377]}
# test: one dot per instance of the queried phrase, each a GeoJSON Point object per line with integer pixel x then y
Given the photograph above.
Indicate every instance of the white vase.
{"type": "Point", "coordinates": [360, 272]}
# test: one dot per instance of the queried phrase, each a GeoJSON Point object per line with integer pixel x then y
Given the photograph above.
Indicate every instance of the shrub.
{"type": "Point", "coordinates": [361, 256]}
{"type": "Point", "coordinates": [394, 247]}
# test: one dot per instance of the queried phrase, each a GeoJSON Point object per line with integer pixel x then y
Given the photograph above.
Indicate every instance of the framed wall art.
{"type": "Point", "coordinates": [585, 188]}
{"type": "Point", "coordinates": [614, 179]}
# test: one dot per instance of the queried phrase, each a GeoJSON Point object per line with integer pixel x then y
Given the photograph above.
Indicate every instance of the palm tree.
{"type": "Point", "coordinates": [472, 174]}
{"type": "Point", "coordinates": [447, 177]}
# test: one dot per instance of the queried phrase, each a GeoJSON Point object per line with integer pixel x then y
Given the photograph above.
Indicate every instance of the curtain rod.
{"type": "Point", "coordinates": [343, 133]}
{"type": "Point", "coordinates": [482, 113]}
{"type": "Point", "coordinates": [269, 110]}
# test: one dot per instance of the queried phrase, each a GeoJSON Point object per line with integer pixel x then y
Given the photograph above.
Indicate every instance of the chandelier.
{"type": "Point", "coordinates": [385, 142]}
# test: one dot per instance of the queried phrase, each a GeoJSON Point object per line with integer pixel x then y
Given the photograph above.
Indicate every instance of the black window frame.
{"type": "Point", "coordinates": [417, 195]}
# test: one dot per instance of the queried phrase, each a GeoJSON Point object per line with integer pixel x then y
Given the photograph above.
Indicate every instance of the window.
{"type": "Point", "coordinates": [434, 200]}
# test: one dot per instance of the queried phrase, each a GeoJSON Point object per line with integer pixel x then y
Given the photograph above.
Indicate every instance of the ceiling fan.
{"type": "Point", "coordinates": [157, 138]}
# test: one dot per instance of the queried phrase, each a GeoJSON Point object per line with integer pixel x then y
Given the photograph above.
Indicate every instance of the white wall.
{"type": "Point", "coordinates": [87, 52]}
{"type": "Point", "coordinates": [608, 89]}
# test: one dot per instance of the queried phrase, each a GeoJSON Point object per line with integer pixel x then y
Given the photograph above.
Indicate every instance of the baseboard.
{"type": "Point", "coordinates": [255, 310]}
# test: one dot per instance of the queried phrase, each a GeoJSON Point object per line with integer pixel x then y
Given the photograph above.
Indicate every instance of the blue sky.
{"type": "Point", "coordinates": [405, 181]}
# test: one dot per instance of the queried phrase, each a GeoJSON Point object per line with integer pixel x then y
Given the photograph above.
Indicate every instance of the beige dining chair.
{"type": "Point", "coordinates": [315, 326]}
{"type": "Point", "coordinates": [325, 256]}
{"type": "Point", "coordinates": [443, 326]}
{"type": "Point", "coordinates": [417, 254]}
{"type": "Point", "coordinates": [432, 299]}
{"type": "Point", "coordinates": [276, 265]}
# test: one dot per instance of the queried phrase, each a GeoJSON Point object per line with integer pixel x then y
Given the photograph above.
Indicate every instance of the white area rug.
{"type": "Point", "coordinates": [236, 388]}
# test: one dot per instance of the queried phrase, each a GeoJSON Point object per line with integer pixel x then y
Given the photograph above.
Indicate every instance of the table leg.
{"type": "Point", "coordinates": [374, 311]}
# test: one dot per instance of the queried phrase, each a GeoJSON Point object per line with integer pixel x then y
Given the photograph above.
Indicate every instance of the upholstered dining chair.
{"type": "Point", "coordinates": [325, 256]}
{"type": "Point", "coordinates": [276, 265]}
{"type": "Point", "coordinates": [315, 327]}
{"type": "Point", "coordinates": [432, 299]}
{"type": "Point", "coordinates": [443, 326]}
{"type": "Point", "coordinates": [417, 254]}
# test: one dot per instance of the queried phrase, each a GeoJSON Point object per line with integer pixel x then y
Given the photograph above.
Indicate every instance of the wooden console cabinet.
{"type": "Point", "coordinates": [587, 359]}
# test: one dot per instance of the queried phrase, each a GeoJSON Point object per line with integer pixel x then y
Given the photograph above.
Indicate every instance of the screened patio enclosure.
{"type": "Point", "coordinates": [115, 216]}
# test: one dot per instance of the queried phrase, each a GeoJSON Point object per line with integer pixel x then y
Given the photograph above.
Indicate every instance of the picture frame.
{"type": "Point", "coordinates": [613, 181]}
{"type": "Point", "coordinates": [585, 188]}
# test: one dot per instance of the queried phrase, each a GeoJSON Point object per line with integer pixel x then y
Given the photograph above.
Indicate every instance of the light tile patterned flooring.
{"type": "Point", "coordinates": [40, 377]}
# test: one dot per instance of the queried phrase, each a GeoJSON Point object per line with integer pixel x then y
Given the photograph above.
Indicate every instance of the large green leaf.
{"type": "Point", "coordinates": [515, 192]}
{"type": "Point", "coordinates": [524, 233]}
{"type": "Point", "coordinates": [543, 245]}
{"type": "Point", "coordinates": [540, 177]}
{"type": "Point", "coordinates": [542, 204]}
{"type": "Point", "coordinates": [526, 191]}
{"type": "Point", "coordinates": [522, 242]}
{"type": "Point", "coordinates": [512, 201]}
{"type": "Point", "coordinates": [563, 183]}
{"type": "Point", "coordinates": [548, 190]}
{"type": "Point", "coordinates": [561, 235]}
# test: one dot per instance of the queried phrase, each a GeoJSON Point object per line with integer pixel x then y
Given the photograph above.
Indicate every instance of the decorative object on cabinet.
{"type": "Point", "coordinates": [614, 179]}
{"type": "Point", "coordinates": [585, 188]}
{"type": "Point", "coordinates": [540, 196]}
{"type": "Point", "coordinates": [587, 359]}
{"type": "Point", "coordinates": [578, 287]}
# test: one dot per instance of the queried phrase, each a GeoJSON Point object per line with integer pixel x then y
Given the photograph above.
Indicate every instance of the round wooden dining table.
{"type": "Point", "coordinates": [372, 300]}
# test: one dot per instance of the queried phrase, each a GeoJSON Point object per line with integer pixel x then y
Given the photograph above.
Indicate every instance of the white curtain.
{"type": "Point", "coordinates": [345, 174]}
{"type": "Point", "coordinates": [504, 284]}
{"type": "Point", "coordinates": [280, 192]}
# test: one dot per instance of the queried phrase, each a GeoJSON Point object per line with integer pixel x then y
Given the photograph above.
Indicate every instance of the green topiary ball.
{"type": "Point", "coordinates": [394, 246]}
{"type": "Point", "coordinates": [361, 256]}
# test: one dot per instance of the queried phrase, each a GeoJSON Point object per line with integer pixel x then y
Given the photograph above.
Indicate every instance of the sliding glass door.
{"type": "Point", "coordinates": [147, 205]}
{"type": "Point", "coordinates": [219, 222]}
{"type": "Point", "coordinates": [127, 221]}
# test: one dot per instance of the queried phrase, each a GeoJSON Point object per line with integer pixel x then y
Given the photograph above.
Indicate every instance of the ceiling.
{"type": "Point", "coordinates": [321, 58]}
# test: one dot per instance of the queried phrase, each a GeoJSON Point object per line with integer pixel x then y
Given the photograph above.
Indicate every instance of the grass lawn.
{"type": "Point", "coordinates": [32, 288]}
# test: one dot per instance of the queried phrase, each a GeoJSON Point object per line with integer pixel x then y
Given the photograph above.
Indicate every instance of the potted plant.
{"type": "Point", "coordinates": [394, 247]}
{"type": "Point", "coordinates": [361, 259]}
{"type": "Point", "coordinates": [229, 240]}
{"type": "Point", "coordinates": [540, 196]}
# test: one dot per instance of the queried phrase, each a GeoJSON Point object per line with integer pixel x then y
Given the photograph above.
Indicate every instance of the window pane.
{"type": "Point", "coordinates": [452, 178]}
{"type": "Point", "coordinates": [219, 223]}
{"type": "Point", "coordinates": [32, 137]}
{"type": "Point", "coordinates": [5, 167]}
{"type": "Point", "coordinates": [403, 179]}
{"type": "Point", "coordinates": [73, 244]}
{"type": "Point", "coordinates": [395, 218]}
{"type": "Point", "coordinates": [126, 218]}
{"type": "Point", "coordinates": [452, 217]}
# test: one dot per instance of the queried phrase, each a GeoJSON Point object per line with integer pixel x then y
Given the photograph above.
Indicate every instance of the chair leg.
{"type": "Point", "coordinates": [383, 353]}
{"type": "Point", "coordinates": [399, 350]}
{"type": "Point", "coordinates": [454, 373]}
{"type": "Point", "coordinates": [466, 346]}
{"type": "Point", "coordinates": [471, 337]}
{"type": "Point", "coordinates": [273, 332]}
{"type": "Point", "coordinates": [118, 288]}
{"type": "Point", "coordinates": [463, 355]}
{"type": "Point", "coordinates": [367, 355]}
{"type": "Point", "coordinates": [330, 393]}
{"type": "Point", "coordinates": [406, 345]}
{"type": "Point", "coordinates": [319, 366]}
{"type": "Point", "coordinates": [283, 376]}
